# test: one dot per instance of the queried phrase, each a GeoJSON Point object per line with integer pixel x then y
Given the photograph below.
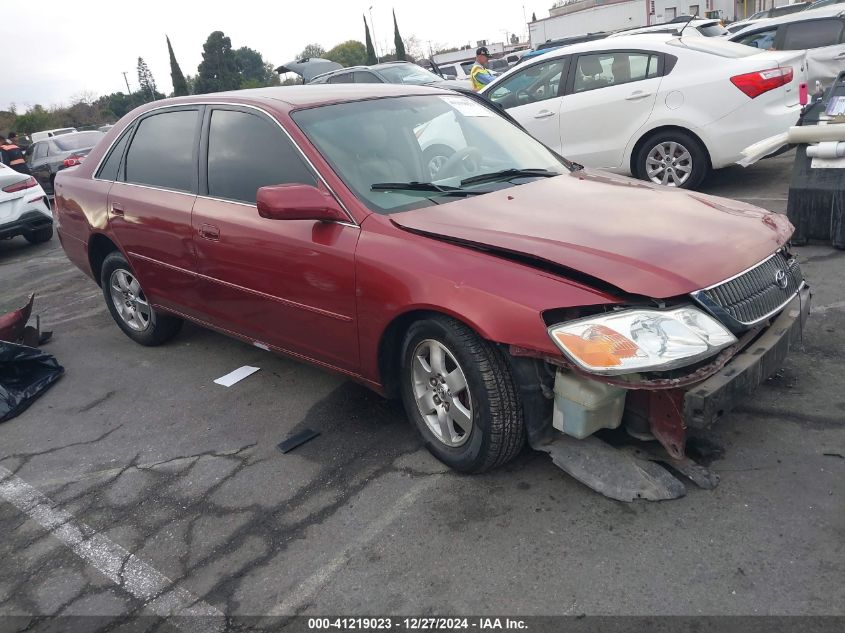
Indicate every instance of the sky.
{"type": "Point", "coordinates": [55, 51]}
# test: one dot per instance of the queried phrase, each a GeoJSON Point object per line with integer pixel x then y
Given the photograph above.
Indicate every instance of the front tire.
{"type": "Point", "coordinates": [674, 159]}
{"type": "Point", "coordinates": [129, 306]}
{"type": "Point", "coordinates": [459, 391]}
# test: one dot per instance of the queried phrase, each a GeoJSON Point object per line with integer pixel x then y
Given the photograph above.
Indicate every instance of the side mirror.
{"type": "Point", "coordinates": [298, 202]}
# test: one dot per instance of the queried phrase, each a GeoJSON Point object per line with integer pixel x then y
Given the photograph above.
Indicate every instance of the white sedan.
{"type": "Point", "coordinates": [660, 108]}
{"type": "Point", "coordinates": [23, 207]}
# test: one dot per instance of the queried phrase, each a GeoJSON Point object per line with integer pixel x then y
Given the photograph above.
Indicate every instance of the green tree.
{"type": "Point", "coordinates": [218, 70]}
{"type": "Point", "coordinates": [145, 78]}
{"type": "Point", "coordinates": [371, 51]}
{"type": "Point", "coordinates": [349, 53]}
{"type": "Point", "coordinates": [255, 72]}
{"type": "Point", "coordinates": [397, 40]}
{"type": "Point", "coordinates": [312, 50]}
{"type": "Point", "coordinates": [34, 120]}
{"type": "Point", "coordinates": [180, 86]}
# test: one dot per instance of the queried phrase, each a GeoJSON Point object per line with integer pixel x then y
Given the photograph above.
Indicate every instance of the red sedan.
{"type": "Point", "coordinates": [502, 291]}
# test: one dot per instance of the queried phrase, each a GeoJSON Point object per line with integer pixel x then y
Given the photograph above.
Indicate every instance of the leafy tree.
{"type": "Point", "coordinates": [255, 72]}
{"type": "Point", "coordinates": [371, 51]}
{"type": "Point", "coordinates": [180, 86]}
{"type": "Point", "coordinates": [397, 40]}
{"type": "Point", "coordinates": [145, 78]}
{"type": "Point", "coordinates": [7, 122]}
{"type": "Point", "coordinates": [349, 53]}
{"type": "Point", "coordinates": [34, 120]}
{"type": "Point", "coordinates": [312, 50]}
{"type": "Point", "coordinates": [218, 70]}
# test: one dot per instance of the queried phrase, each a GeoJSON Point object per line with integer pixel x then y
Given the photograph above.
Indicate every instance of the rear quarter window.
{"type": "Point", "coordinates": [110, 167]}
{"type": "Point", "coordinates": [161, 153]}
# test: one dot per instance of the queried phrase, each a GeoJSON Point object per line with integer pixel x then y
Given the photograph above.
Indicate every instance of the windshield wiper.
{"type": "Point", "coordinates": [507, 174]}
{"type": "Point", "coordinates": [422, 186]}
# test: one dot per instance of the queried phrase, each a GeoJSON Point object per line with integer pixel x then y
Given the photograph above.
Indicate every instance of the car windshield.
{"type": "Point", "coordinates": [80, 140]}
{"type": "Point", "coordinates": [408, 74]}
{"type": "Point", "coordinates": [410, 152]}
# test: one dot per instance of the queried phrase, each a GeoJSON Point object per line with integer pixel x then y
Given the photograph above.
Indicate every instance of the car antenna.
{"type": "Point", "coordinates": [681, 32]}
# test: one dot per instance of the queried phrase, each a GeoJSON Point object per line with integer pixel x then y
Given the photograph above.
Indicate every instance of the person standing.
{"type": "Point", "coordinates": [11, 155]}
{"type": "Point", "coordinates": [479, 75]}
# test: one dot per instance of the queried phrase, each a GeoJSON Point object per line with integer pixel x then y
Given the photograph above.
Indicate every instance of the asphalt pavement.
{"type": "Point", "coordinates": [141, 487]}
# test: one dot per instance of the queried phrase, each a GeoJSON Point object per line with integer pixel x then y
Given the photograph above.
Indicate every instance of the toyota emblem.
{"type": "Point", "coordinates": [781, 279]}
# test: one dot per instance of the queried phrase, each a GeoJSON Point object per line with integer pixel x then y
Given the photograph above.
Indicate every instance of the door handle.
{"type": "Point", "coordinates": [210, 232]}
{"type": "Point", "coordinates": [117, 209]}
{"type": "Point", "coordinates": [544, 114]}
{"type": "Point", "coordinates": [639, 94]}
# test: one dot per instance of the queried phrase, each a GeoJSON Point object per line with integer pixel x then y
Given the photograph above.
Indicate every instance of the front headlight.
{"type": "Point", "coordinates": [641, 340]}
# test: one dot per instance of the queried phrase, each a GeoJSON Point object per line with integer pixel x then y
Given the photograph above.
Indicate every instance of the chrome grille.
{"type": "Point", "coordinates": [755, 294]}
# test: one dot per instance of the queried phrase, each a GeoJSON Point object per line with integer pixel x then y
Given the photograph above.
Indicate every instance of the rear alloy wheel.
{"type": "Point", "coordinates": [459, 391]}
{"type": "Point", "coordinates": [130, 307]}
{"type": "Point", "coordinates": [39, 236]}
{"type": "Point", "coordinates": [672, 159]}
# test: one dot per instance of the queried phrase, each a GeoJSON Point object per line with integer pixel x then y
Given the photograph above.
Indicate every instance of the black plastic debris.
{"type": "Point", "coordinates": [298, 439]}
{"type": "Point", "coordinates": [25, 374]}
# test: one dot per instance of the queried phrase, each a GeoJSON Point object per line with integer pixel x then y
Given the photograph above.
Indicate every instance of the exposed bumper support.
{"type": "Point", "coordinates": [709, 400]}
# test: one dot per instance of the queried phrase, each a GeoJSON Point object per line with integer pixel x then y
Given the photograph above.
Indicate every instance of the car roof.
{"type": "Point", "coordinates": [801, 16]}
{"type": "Point", "coordinates": [286, 98]}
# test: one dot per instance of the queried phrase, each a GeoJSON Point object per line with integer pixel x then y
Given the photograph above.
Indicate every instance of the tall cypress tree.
{"type": "Point", "coordinates": [397, 40]}
{"type": "Point", "coordinates": [145, 80]}
{"type": "Point", "coordinates": [180, 86]}
{"type": "Point", "coordinates": [371, 51]}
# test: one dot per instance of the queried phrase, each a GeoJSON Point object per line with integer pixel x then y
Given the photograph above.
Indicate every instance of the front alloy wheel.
{"type": "Point", "coordinates": [459, 392]}
{"type": "Point", "coordinates": [443, 398]}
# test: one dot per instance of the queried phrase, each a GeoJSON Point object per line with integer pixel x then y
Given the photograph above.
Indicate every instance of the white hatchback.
{"type": "Point", "coordinates": [661, 108]}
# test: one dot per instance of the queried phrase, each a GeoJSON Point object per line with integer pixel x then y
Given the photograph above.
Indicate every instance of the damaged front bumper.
{"type": "Point", "coordinates": [707, 401]}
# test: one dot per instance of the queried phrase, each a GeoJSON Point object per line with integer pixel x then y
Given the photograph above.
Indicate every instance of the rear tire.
{"type": "Point", "coordinates": [458, 390]}
{"type": "Point", "coordinates": [129, 306]}
{"type": "Point", "coordinates": [672, 158]}
{"type": "Point", "coordinates": [39, 236]}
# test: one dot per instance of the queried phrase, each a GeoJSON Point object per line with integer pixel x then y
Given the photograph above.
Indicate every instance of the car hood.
{"type": "Point", "coordinates": [637, 237]}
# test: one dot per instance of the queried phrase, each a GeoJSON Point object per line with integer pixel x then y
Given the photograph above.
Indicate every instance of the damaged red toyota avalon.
{"type": "Point", "coordinates": [421, 243]}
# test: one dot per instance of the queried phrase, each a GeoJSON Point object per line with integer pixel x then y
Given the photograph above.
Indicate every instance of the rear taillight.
{"type": "Point", "coordinates": [756, 83]}
{"type": "Point", "coordinates": [73, 161]}
{"type": "Point", "coordinates": [20, 186]}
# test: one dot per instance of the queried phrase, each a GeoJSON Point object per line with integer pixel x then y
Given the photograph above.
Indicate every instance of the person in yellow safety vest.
{"type": "Point", "coordinates": [478, 74]}
{"type": "Point", "coordinates": [11, 155]}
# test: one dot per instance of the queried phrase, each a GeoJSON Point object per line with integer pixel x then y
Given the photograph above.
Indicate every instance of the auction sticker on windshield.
{"type": "Point", "coordinates": [467, 107]}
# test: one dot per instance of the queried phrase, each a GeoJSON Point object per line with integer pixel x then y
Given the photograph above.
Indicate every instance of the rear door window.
{"type": "Point", "coordinates": [40, 150]}
{"type": "Point", "coordinates": [342, 78]}
{"type": "Point", "coordinates": [162, 151]}
{"type": "Point", "coordinates": [365, 77]}
{"type": "Point", "coordinates": [764, 40]}
{"type": "Point", "coordinates": [812, 34]}
{"type": "Point", "coordinates": [247, 151]}
{"type": "Point", "coordinates": [611, 69]}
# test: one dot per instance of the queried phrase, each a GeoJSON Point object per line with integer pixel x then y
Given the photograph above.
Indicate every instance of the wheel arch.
{"type": "Point", "coordinates": [390, 343]}
{"type": "Point", "coordinates": [632, 160]}
{"type": "Point", "coordinates": [99, 247]}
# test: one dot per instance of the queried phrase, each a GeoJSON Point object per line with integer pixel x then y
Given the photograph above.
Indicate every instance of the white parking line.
{"type": "Point", "coordinates": [293, 603]}
{"type": "Point", "coordinates": [120, 566]}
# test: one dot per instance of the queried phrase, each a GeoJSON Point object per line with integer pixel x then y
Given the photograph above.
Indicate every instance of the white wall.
{"type": "Point", "coordinates": [602, 18]}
